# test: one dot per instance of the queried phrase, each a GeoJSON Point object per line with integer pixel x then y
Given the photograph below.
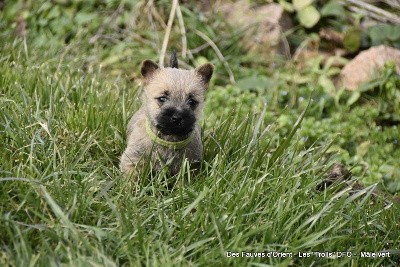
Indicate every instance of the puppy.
{"type": "Point", "coordinates": [165, 129]}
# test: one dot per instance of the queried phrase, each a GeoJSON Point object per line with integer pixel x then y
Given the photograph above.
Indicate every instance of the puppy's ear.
{"type": "Point", "coordinates": [173, 61]}
{"type": "Point", "coordinates": [205, 71]}
{"type": "Point", "coordinates": [148, 69]}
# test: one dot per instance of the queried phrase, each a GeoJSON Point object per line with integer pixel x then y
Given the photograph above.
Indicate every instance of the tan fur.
{"type": "Point", "coordinates": [179, 83]}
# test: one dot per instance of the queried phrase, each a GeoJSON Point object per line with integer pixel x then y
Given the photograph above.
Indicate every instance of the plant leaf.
{"type": "Point", "coordinates": [352, 39]}
{"type": "Point", "coordinates": [308, 16]}
{"type": "Point", "coordinates": [379, 33]}
{"type": "Point", "coordinates": [354, 97]}
{"type": "Point", "coordinates": [300, 4]}
{"type": "Point", "coordinates": [327, 84]}
{"type": "Point", "coordinates": [286, 6]}
{"type": "Point", "coordinates": [335, 9]}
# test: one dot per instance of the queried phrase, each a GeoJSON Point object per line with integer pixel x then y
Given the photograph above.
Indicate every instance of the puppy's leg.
{"type": "Point", "coordinates": [129, 161]}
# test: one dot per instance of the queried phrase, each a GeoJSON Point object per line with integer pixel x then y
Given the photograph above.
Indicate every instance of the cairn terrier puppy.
{"type": "Point", "coordinates": [165, 128]}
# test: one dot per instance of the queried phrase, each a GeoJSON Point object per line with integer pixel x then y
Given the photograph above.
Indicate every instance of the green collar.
{"type": "Point", "coordinates": [169, 144]}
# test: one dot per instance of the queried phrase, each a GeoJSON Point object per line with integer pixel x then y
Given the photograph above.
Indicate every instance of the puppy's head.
{"type": "Point", "coordinates": [174, 97]}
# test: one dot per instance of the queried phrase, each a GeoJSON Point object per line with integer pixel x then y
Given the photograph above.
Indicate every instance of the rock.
{"type": "Point", "coordinates": [309, 51]}
{"type": "Point", "coordinates": [338, 173]}
{"type": "Point", "coordinates": [263, 26]}
{"type": "Point", "coordinates": [366, 65]}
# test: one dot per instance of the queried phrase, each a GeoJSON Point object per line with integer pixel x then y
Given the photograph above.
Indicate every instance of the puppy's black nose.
{"type": "Point", "coordinates": [177, 118]}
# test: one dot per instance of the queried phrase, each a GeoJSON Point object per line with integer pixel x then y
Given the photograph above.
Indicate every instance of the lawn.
{"type": "Point", "coordinates": [70, 83]}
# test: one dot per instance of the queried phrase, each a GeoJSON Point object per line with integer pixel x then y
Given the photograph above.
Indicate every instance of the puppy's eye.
{"type": "Point", "coordinates": [161, 99]}
{"type": "Point", "coordinates": [192, 102]}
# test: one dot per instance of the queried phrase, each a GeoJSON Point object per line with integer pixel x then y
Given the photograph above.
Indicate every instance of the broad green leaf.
{"type": "Point", "coordinates": [379, 33]}
{"type": "Point", "coordinates": [335, 9]}
{"type": "Point", "coordinates": [352, 39]}
{"type": "Point", "coordinates": [308, 16]}
{"type": "Point", "coordinates": [300, 4]}
{"type": "Point", "coordinates": [395, 33]}
{"type": "Point", "coordinates": [201, 60]}
{"type": "Point", "coordinates": [354, 97]}
{"type": "Point", "coordinates": [286, 6]}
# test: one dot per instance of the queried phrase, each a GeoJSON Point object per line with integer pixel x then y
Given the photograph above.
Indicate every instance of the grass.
{"type": "Point", "coordinates": [64, 106]}
{"type": "Point", "coordinates": [64, 200]}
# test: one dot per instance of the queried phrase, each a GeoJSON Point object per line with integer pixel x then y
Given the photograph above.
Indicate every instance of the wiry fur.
{"type": "Point", "coordinates": [173, 61]}
{"type": "Point", "coordinates": [172, 120]}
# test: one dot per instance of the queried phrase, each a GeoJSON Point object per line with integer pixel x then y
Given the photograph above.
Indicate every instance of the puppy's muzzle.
{"type": "Point", "coordinates": [176, 118]}
{"type": "Point", "coordinates": [172, 121]}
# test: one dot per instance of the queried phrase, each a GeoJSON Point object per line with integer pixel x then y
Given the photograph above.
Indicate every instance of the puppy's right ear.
{"type": "Point", "coordinates": [148, 69]}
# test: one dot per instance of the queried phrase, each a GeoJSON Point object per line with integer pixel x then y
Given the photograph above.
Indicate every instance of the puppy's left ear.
{"type": "Point", "coordinates": [205, 71]}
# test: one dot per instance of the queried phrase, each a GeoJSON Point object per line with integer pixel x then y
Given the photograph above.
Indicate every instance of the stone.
{"type": "Point", "coordinates": [263, 26]}
{"type": "Point", "coordinates": [366, 65]}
